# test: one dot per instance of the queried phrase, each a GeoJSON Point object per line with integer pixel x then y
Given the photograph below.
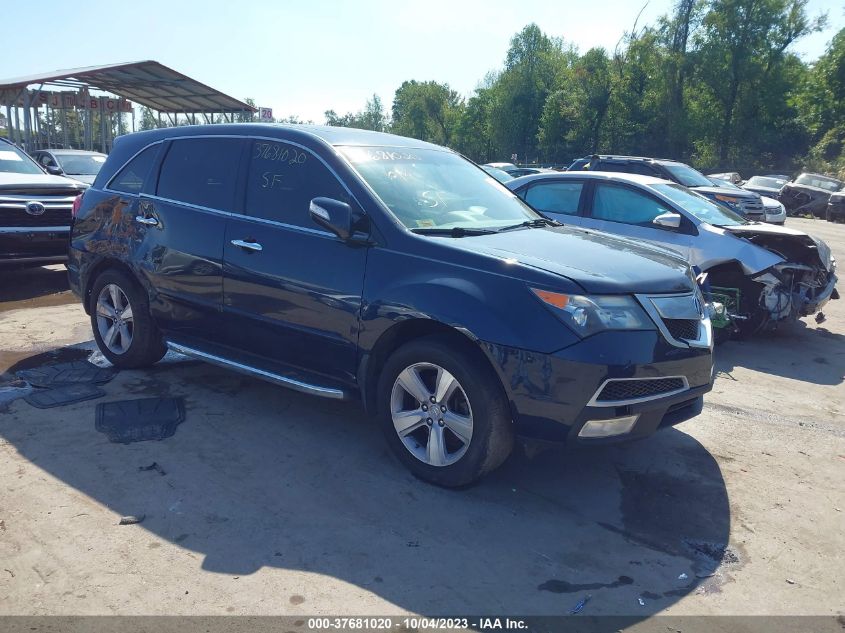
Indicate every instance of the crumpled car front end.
{"type": "Point", "coordinates": [802, 283]}
{"type": "Point", "coordinates": [804, 200]}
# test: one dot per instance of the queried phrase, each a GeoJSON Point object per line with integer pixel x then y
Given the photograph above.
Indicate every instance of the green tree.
{"type": "Point", "coordinates": [742, 44]}
{"type": "Point", "coordinates": [427, 110]}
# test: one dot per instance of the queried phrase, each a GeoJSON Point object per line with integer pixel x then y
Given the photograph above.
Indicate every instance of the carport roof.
{"type": "Point", "coordinates": [148, 83]}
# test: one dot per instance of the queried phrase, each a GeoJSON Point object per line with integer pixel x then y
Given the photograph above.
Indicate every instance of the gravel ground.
{"type": "Point", "coordinates": [266, 501]}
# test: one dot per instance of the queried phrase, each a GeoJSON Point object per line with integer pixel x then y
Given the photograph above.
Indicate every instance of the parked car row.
{"type": "Point", "coordinates": [809, 194]}
{"type": "Point", "coordinates": [347, 264]}
{"type": "Point", "coordinates": [757, 275]}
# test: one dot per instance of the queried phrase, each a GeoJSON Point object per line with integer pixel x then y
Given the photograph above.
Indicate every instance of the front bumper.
{"type": "Point", "coordinates": [821, 299]}
{"type": "Point", "coordinates": [553, 396]}
{"type": "Point", "coordinates": [34, 245]}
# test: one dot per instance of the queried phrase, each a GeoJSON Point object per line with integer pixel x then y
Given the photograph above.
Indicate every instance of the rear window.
{"type": "Point", "coordinates": [555, 197]}
{"type": "Point", "coordinates": [202, 172]}
{"type": "Point", "coordinates": [134, 175]}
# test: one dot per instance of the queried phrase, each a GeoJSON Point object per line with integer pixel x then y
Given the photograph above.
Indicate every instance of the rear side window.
{"type": "Point", "coordinates": [555, 197]}
{"type": "Point", "coordinates": [201, 171]}
{"type": "Point", "coordinates": [134, 175]}
{"type": "Point", "coordinates": [283, 179]}
{"type": "Point", "coordinates": [619, 204]}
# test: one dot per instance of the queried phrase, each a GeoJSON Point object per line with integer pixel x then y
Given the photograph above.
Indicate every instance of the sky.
{"type": "Point", "coordinates": [303, 58]}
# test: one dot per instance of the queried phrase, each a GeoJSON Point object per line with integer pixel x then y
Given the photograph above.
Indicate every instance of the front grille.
{"type": "Point", "coordinates": [685, 329]}
{"type": "Point", "coordinates": [624, 390]}
{"type": "Point", "coordinates": [57, 209]}
{"type": "Point", "coordinates": [20, 218]}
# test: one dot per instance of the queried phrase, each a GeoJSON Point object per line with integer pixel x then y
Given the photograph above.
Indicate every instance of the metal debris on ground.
{"type": "Point", "coordinates": [63, 395]}
{"type": "Point", "coordinates": [580, 606]}
{"type": "Point", "coordinates": [641, 601]}
{"type": "Point", "coordinates": [132, 519]}
{"type": "Point", "coordinates": [683, 576]}
{"type": "Point", "coordinates": [73, 372]}
{"type": "Point", "coordinates": [127, 421]}
{"type": "Point", "coordinates": [790, 581]}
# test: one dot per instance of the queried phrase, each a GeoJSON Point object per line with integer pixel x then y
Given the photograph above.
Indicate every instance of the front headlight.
{"type": "Point", "coordinates": [824, 254]}
{"type": "Point", "coordinates": [727, 199]}
{"type": "Point", "coordinates": [588, 315]}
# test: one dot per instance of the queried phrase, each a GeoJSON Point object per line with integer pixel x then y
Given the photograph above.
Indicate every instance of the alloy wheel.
{"type": "Point", "coordinates": [115, 321]}
{"type": "Point", "coordinates": [431, 414]}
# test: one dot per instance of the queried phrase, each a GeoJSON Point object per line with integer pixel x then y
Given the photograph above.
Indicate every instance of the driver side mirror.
{"type": "Point", "coordinates": [668, 220]}
{"type": "Point", "coordinates": [334, 215]}
{"type": "Point", "coordinates": [55, 170]}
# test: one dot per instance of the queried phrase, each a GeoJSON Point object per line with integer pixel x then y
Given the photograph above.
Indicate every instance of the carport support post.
{"type": "Point", "coordinates": [9, 122]}
{"type": "Point", "coordinates": [64, 126]}
{"type": "Point", "coordinates": [27, 122]}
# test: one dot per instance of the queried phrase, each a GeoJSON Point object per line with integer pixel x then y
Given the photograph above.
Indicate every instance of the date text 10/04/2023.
{"type": "Point", "coordinates": [416, 623]}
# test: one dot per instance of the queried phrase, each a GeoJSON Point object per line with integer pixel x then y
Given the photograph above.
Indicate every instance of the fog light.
{"type": "Point", "coordinates": [606, 428]}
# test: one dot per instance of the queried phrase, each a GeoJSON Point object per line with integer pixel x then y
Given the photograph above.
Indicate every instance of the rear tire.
{"type": "Point", "coordinates": [460, 435]}
{"type": "Point", "coordinates": [120, 318]}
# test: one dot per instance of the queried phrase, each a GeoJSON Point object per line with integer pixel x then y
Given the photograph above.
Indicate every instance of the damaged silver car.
{"type": "Point", "coordinates": [757, 274]}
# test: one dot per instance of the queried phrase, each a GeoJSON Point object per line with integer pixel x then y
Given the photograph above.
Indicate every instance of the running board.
{"type": "Point", "coordinates": [284, 381]}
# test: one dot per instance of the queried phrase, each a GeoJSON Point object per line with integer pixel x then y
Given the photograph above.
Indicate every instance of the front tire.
{"type": "Point", "coordinates": [443, 412]}
{"type": "Point", "coordinates": [120, 318]}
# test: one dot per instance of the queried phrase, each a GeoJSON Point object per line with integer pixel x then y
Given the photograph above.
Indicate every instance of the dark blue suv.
{"type": "Point", "coordinates": [353, 264]}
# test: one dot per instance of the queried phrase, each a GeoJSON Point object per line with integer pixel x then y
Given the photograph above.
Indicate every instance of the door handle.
{"type": "Point", "coordinates": [250, 246]}
{"type": "Point", "coordinates": [141, 219]}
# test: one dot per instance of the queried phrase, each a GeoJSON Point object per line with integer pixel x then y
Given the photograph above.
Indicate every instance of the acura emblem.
{"type": "Point", "coordinates": [33, 207]}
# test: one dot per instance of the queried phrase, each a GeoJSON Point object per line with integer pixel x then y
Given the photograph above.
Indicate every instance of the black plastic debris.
{"type": "Point", "coordinates": [154, 466]}
{"type": "Point", "coordinates": [127, 421]}
{"type": "Point", "coordinates": [63, 395]}
{"type": "Point", "coordinates": [73, 372]}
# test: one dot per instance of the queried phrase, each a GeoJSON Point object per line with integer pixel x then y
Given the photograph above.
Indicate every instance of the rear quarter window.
{"type": "Point", "coordinates": [134, 175]}
{"type": "Point", "coordinates": [555, 197]}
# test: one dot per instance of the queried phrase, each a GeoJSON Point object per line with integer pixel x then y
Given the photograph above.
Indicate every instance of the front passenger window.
{"type": "Point", "coordinates": [282, 181]}
{"type": "Point", "coordinates": [620, 204]}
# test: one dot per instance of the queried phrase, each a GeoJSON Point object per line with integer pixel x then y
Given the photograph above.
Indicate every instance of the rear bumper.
{"type": "Point", "coordinates": [33, 245]}
{"type": "Point", "coordinates": [553, 395]}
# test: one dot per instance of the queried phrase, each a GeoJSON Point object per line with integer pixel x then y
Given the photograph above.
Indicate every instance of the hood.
{"type": "Point", "coordinates": [770, 204]}
{"type": "Point", "coordinates": [598, 262]}
{"type": "Point", "coordinates": [88, 179]}
{"type": "Point", "coordinates": [724, 191]}
{"type": "Point", "coordinates": [763, 191]}
{"type": "Point", "coordinates": [37, 182]}
{"type": "Point", "coordinates": [794, 246]}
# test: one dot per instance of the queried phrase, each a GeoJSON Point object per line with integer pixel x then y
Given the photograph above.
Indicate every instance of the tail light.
{"type": "Point", "coordinates": [77, 202]}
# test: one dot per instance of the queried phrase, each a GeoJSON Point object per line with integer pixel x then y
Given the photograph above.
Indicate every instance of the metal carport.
{"type": "Point", "coordinates": [147, 83]}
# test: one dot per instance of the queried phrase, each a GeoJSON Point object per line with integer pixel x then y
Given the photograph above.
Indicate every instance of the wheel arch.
{"type": "Point", "coordinates": [372, 361]}
{"type": "Point", "coordinates": [98, 269]}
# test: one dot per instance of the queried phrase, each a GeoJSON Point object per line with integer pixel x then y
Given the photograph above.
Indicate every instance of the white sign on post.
{"type": "Point", "coordinates": [265, 114]}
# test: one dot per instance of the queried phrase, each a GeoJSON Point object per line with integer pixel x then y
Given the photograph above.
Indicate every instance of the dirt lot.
{"type": "Point", "coordinates": [271, 502]}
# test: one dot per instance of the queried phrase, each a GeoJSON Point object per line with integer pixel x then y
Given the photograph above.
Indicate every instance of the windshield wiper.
{"type": "Point", "coordinates": [455, 231]}
{"type": "Point", "coordinates": [537, 223]}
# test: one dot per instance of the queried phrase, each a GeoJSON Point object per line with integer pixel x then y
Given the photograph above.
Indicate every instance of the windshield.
{"type": "Point", "coordinates": [699, 206]}
{"type": "Point", "coordinates": [81, 164]}
{"type": "Point", "coordinates": [13, 160]}
{"type": "Point", "coordinates": [820, 182]}
{"type": "Point", "coordinates": [687, 176]}
{"type": "Point", "coordinates": [434, 189]}
{"type": "Point", "coordinates": [763, 181]}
